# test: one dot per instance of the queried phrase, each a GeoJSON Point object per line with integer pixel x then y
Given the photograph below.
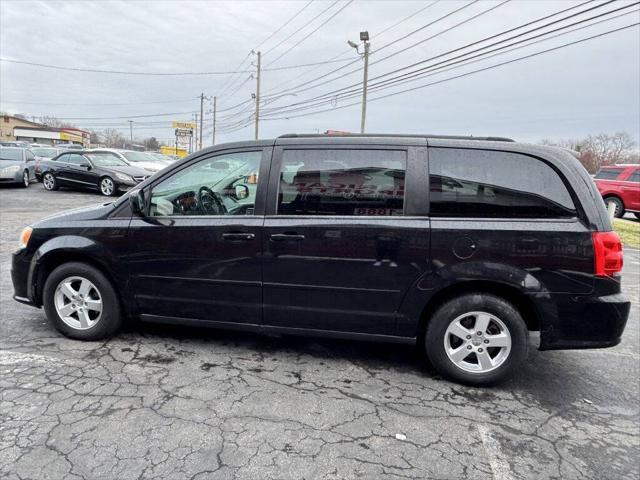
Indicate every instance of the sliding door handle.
{"type": "Point", "coordinates": [284, 237]}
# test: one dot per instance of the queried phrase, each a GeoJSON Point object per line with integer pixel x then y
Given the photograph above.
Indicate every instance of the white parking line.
{"type": "Point", "coordinates": [499, 466]}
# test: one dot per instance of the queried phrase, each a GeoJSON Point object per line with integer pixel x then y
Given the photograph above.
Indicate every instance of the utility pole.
{"type": "Point", "coordinates": [213, 137]}
{"type": "Point", "coordinates": [131, 132]}
{"type": "Point", "coordinates": [257, 97]}
{"type": "Point", "coordinates": [201, 117]}
{"type": "Point", "coordinates": [195, 133]}
{"type": "Point", "coordinates": [364, 37]}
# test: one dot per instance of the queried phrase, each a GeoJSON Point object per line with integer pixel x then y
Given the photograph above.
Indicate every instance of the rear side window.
{"type": "Point", "coordinates": [634, 177]}
{"type": "Point", "coordinates": [487, 184]}
{"type": "Point", "coordinates": [609, 174]}
{"type": "Point", "coordinates": [342, 182]}
{"type": "Point", "coordinates": [63, 158]}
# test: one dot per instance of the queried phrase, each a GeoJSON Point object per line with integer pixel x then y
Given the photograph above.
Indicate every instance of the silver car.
{"type": "Point", "coordinates": [17, 166]}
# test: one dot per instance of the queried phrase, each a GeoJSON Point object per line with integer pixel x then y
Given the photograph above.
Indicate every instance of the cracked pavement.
{"type": "Point", "coordinates": [177, 402]}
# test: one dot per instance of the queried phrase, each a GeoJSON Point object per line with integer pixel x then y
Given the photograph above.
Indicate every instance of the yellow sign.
{"type": "Point", "coordinates": [71, 137]}
{"type": "Point", "coordinates": [187, 125]}
{"type": "Point", "coordinates": [167, 150]}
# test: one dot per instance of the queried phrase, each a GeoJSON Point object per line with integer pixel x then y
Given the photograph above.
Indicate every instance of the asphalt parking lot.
{"type": "Point", "coordinates": [177, 402]}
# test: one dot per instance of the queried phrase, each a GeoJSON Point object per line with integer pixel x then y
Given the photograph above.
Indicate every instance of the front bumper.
{"type": "Point", "coordinates": [12, 177]}
{"type": "Point", "coordinates": [572, 322]}
{"type": "Point", "coordinates": [21, 278]}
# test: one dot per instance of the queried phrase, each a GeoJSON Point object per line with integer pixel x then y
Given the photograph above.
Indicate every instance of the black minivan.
{"type": "Point", "coordinates": [459, 245]}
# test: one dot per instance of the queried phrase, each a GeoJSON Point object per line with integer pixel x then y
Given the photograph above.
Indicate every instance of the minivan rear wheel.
{"type": "Point", "coordinates": [476, 339]}
{"type": "Point", "coordinates": [80, 302]}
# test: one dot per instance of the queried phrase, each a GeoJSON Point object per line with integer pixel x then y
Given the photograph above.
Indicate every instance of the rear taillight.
{"type": "Point", "coordinates": [607, 253]}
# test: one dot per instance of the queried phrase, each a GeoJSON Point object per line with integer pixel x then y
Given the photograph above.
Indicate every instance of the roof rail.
{"type": "Point", "coordinates": [392, 135]}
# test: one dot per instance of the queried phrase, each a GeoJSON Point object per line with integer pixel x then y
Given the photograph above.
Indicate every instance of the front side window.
{"type": "Point", "coordinates": [489, 184]}
{"type": "Point", "coordinates": [75, 159]}
{"type": "Point", "coordinates": [221, 185]}
{"type": "Point", "coordinates": [342, 182]}
{"type": "Point", "coordinates": [609, 174]}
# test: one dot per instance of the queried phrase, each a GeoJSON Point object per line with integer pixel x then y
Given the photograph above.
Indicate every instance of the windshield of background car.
{"type": "Point", "coordinates": [137, 157]}
{"type": "Point", "coordinates": [105, 159]}
{"type": "Point", "coordinates": [45, 152]}
{"type": "Point", "coordinates": [11, 154]}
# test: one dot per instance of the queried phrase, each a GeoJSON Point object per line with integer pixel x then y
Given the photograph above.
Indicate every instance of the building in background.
{"type": "Point", "coordinates": [16, 128]}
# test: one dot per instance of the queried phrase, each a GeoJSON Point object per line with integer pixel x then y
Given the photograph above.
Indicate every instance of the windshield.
{"type": "Point", "coordinates": [137, 157]}
{"type": "Point", "coordinates": [45, 152]}
{"type": "Point", "coordinates": [105, 159]}
{"type": "Point", "coordinates": [11, 154]}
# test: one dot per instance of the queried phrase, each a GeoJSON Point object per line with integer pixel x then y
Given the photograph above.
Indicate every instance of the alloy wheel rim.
{"type": "Point", "coordinates": [25, 178]}
{"type": "Point", "coordinates": [477, 342]}
{"type": "Point", "coordinates": [106, 186]}
{"type": "Point", "coordinates": [48, 181]}
{"type": "Point", "coordinates": [78, 303]}
{"type": "Point", "coordinates": [615, 206]}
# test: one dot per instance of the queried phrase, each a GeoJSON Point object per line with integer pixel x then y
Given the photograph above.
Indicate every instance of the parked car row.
{"type": "Point", "coordinates": [17, 165]}
{"type": "Point", "coordinates": [107, 170]}
{"type": "Point", "coordinates": [619, 186]}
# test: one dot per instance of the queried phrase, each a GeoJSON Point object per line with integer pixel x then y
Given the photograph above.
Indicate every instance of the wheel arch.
{"type": "Point", "coordinates": [521, 301]}
{"type": "Point", "coordinates": [53, 259]}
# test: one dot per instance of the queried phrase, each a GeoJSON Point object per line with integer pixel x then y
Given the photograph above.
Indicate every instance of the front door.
{"type": "Point", "coordinates": [79, 171]}
{"type": "Point", "coordinates": [197, 252]}
{"type": "Point", "coordinates": [340, 253]}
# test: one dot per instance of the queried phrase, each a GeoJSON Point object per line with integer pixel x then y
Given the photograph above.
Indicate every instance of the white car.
{"type": "Point", "coordinates": [136, 159]}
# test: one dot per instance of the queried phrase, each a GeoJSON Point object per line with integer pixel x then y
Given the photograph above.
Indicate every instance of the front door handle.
{"type": "Point", "coordinates": [238, 236]}
{"type": "Point", "coordinates": [283, 237]}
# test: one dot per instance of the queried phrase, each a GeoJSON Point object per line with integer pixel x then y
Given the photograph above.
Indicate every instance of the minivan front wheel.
{"type": "Point", "coordinates": [81, 303]}
{"type": "Point", "coordinates": [477, 339]}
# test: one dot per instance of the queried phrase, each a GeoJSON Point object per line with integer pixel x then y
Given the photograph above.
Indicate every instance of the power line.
{"type": "Point", "coordinates": [302, 27]}
{"type": "Point", "coordinates": [283, 25]}
{"type": "Point", "coordinates": [124, 116]}
{"type": "Point", "coordinates": [466, 74]}
{"type": "Point", "coordinates": [339, 92]}
{"type": "Point", "coordinates": [99, 104]}
{"type": "Point", "coordinates": [306, 37]}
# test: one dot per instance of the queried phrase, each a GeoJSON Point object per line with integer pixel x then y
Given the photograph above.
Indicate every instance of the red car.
{"type": "Point", "coordinates": [620, 185]}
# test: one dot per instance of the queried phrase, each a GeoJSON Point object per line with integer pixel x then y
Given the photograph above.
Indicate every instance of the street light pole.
{"type": "Point", "coordinates": [364, 37]}
{"type": "Point", "coordinates": [257, 97]}
{"type": "Point", "coordinates": [364, 86]}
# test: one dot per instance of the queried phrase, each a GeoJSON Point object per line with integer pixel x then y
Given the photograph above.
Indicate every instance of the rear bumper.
{"type": "Point", "coordinates": [584, 321]}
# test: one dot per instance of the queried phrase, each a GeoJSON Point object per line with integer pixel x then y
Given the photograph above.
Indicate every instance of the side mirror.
{"type": "Point", "coordinates": [241, 192]}
{"type": "Point", "coordinates": [136, 201]}
{"type": "Point", "coordinates": [86, 165]}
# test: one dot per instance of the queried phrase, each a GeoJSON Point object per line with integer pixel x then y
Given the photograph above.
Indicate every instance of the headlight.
{"type": "Point", "coordinates": [125, 178]}
{"type": "Point", "coordinates": [24, 237]}
{"type": "Point", "coordinates": [11, 169]}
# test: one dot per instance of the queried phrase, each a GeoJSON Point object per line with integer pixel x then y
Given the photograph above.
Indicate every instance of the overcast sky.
{"type": "Point", "coordinates": [586, 88]}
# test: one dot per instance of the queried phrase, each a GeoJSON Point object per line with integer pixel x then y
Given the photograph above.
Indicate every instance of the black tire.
{"type": "Point", "coordinates": [637, 215]}
{"type": "Point", "coordinates": [50, 181]}
{"type": "Point", "coordinates": [619, 212]}
{"type": "Point", "coordinates": [25, 179]}
{"type": "Point", "coordinates": [102, 187]}
{"type": "Point", "coordinates": [476, 302]}
{"type": "Point", "coordinates": [111, 316]}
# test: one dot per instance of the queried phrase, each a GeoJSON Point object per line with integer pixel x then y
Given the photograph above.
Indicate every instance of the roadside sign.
{"type": "Point", "coordinates": [184, 125]}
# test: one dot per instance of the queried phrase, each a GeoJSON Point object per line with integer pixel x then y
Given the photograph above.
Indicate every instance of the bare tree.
{"type": "Point", "coordinates": [113, 138]}
{"type": "Point", "coordinates": [596, 151]}
{"type": "Point", "coordinates": [55, 122]}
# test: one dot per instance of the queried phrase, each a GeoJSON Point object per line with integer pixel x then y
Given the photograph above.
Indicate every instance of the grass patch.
{"type": "Point", "coordinates": [629, 232]}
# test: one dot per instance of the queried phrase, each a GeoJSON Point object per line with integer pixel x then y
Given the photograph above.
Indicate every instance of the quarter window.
{"type": "Point", "coordinates": [342, 182]}
{"type": "Point", "coordinates": [76, 159]}
{"type": "Point", "coordinates": [609, 174]}
{"type": "Point", "coordinates": [220, 185]}
{"type": "Point", "coordinates": [478, 183]}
